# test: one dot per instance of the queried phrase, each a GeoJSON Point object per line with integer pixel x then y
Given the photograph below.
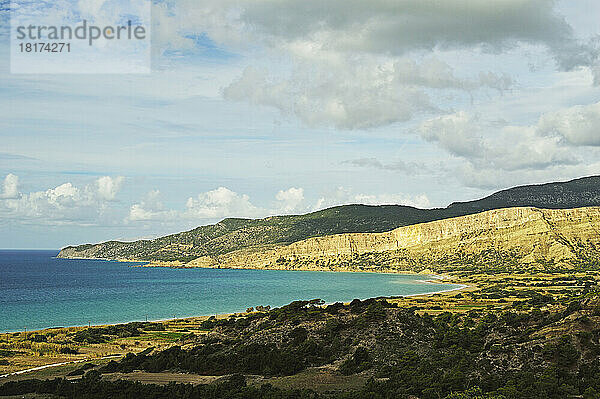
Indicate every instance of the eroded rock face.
{"type": "Point", "coordinates": [521, 236]}
{"type": "Point", "coordinates": [237, 234]}
{"type": "Point", "coordinates": [529, 234]}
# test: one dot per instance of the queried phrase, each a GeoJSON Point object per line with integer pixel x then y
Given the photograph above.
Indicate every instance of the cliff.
{"type": "Point", "coordinates": [510, 236]}
{"type": "Point", "coordinates": [236, 234]}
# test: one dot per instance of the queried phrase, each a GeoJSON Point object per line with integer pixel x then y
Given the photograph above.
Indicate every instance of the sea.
{"type": "Point", "coordinates": [38, 290]}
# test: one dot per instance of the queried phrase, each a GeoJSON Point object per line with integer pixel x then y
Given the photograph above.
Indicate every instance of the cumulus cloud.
{"type": "Point", "coordinates": [10, 188]}
{"type": "Point", "coordinates": [355, 92]}
{"type": "Point", "coordinates": [578, 125]}
{"type": "Point", "coordinates": [399, 27]}
{"type": "Point", "coordinates": [290, 200]}
{"type": "Point", "coordinates": [354, 61]}
{"type": "Point", "coordinates": [63, 204]}
{"type": "Point", "coordinates": [457, 133]}
{"type": "Point", "coordinates": [378, 26]}
{"type": "Point", "coordinates": [219, 203]}
{"type": "Point", "coordinates": [150, 208]}
{"type": "Point", "coordinates": [344, 196]}
{"type": "Point", "coordinates": [560, 141]}
{"type": "Point", "coordinates": [222, 202]}
{"type": "Point", "coordinates": [491, 179]}
{"type": "Point", "coordinates": [332, 97]}
{"type": "Point", "coordinates": [436, 74]}
{"type": "Point", "coordinates": [486, 145]}
{"type": "Point", "coordinates": [108, 187]}
{"type": "Point", "coordinates": [210, 205]}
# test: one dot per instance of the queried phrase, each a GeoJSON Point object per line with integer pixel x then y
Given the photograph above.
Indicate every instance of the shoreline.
{"type": "Point", "coordinates": [434, 279]}
{"type": "Point", "coordinates": [181, 265]}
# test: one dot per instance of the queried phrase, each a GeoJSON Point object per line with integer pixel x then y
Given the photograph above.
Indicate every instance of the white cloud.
{"type": "Point", "coordinates": [63, 204]}
{"type": "Point", "coordinates": [486, 145]}
{"type": "Point", "coordinates": [412, 168]}
{"type": "Point", "coordinates": [10, 188]}
{"type": "Point", "coordinates": [578, 125]}
{"type": "Point", "coordinates": [352, 61]}
{"type": "Point", "coordinates": [492, 179]}
{"type": "Point", "coordinates": [290, 200]}
{"type": "Point", "coordinates": [213, 205]}
{"type": "Point", "coordinates": [436, 74]}
{"type": "Point", "coordinates": [457, 133]}
{"type": "Point", "coordinates": [222, 203]}
{"type": "Point", "coordinates": [561, 143]}
{"type": "Point", "coordinates": [219, 203]}
{"type": "Point", "coordinates": [355, 92]}
{"type": "Point", "coordinates": [380, 26]}
{"type": "Point", "coordinates": [138, 212]}
{"type": "Point", "coordinates": [344, 196]}
{"type": "Point", "coordinates": [108, 187]}
{"type": "Point", "coordinates": [208, 206]}
{"type": "Point", "coordinates": [151, 209]}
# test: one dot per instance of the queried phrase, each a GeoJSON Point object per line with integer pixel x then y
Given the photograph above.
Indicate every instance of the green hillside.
{"type": "Point", "coordinates": [234, 233]}
{"type": "Point", "coordinates": [562, 195]}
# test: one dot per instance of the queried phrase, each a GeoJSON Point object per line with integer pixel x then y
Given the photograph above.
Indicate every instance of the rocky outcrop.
{"type": "Point", "coordinates": [529, 235]}
{"type": "Point", "coordinates": [234, 234]}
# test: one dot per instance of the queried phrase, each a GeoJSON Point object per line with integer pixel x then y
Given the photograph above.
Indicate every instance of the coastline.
{"type": "Point", "coordinates": [433, 280]}
{"type": "Point", "coordinates": [180, 265]}
{"type": "Point", "coordinates": [440, 292]}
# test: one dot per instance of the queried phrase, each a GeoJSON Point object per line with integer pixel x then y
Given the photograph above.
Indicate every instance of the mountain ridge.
{"type": "Point", "coordinates": [233, 234]}
{"type": "Point", "coordinates": [507, 237]}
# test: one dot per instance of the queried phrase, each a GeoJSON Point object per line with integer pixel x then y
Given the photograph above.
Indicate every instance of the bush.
{"type": "Point", "coordinates": [68, 350]}
{"type": "Point", "coordinates": [360, 360]}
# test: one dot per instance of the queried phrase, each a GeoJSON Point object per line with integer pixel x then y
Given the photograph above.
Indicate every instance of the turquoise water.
{"type": "Point", "coordinates": [39, 291]}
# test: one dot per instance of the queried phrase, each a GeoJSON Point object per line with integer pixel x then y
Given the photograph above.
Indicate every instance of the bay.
{"type": "Point", "coordinates": [39, 291]}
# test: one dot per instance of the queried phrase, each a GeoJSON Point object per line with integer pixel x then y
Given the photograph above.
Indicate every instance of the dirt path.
{"type": "Point", "coordinates": [56, 365]}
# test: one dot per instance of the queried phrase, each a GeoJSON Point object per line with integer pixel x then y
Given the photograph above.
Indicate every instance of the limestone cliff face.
{"type": "Point", "coordinates": [529, 234]}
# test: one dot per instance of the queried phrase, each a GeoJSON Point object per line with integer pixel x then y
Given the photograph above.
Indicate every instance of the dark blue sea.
{"type": "Point", "coordinates": [39, 291]}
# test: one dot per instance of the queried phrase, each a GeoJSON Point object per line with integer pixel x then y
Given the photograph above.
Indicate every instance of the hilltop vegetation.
{"type": "Point", "coordinates": [509, 239]}
{"type": "Point", "coordinates": [234, 234]}
{"type": "Point", "coordinates": [559, 195]}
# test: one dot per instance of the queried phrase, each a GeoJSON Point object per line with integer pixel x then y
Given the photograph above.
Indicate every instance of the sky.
{"type": "Point", "coordinates": [265, 107]}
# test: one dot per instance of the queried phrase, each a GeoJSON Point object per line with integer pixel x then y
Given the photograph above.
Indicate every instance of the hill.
{"type": "Point", "coordinates": [496, 240]}
{"type": "Point", "coordinates": [559, 195]}
{"type": "Point", "coordinates": [234, 234]}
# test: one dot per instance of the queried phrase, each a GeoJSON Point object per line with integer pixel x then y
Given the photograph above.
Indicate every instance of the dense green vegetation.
{"type": "Point", "coordinates": [233, 234]}
{"type": "Point", "coordinates": [93, 387]}
{"type": "Point", "coordinates": [538, 347]}
{"type": "Point", "coordinates": [97, 335]}
{"type": "Point", "coordinates": [572, 194]}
